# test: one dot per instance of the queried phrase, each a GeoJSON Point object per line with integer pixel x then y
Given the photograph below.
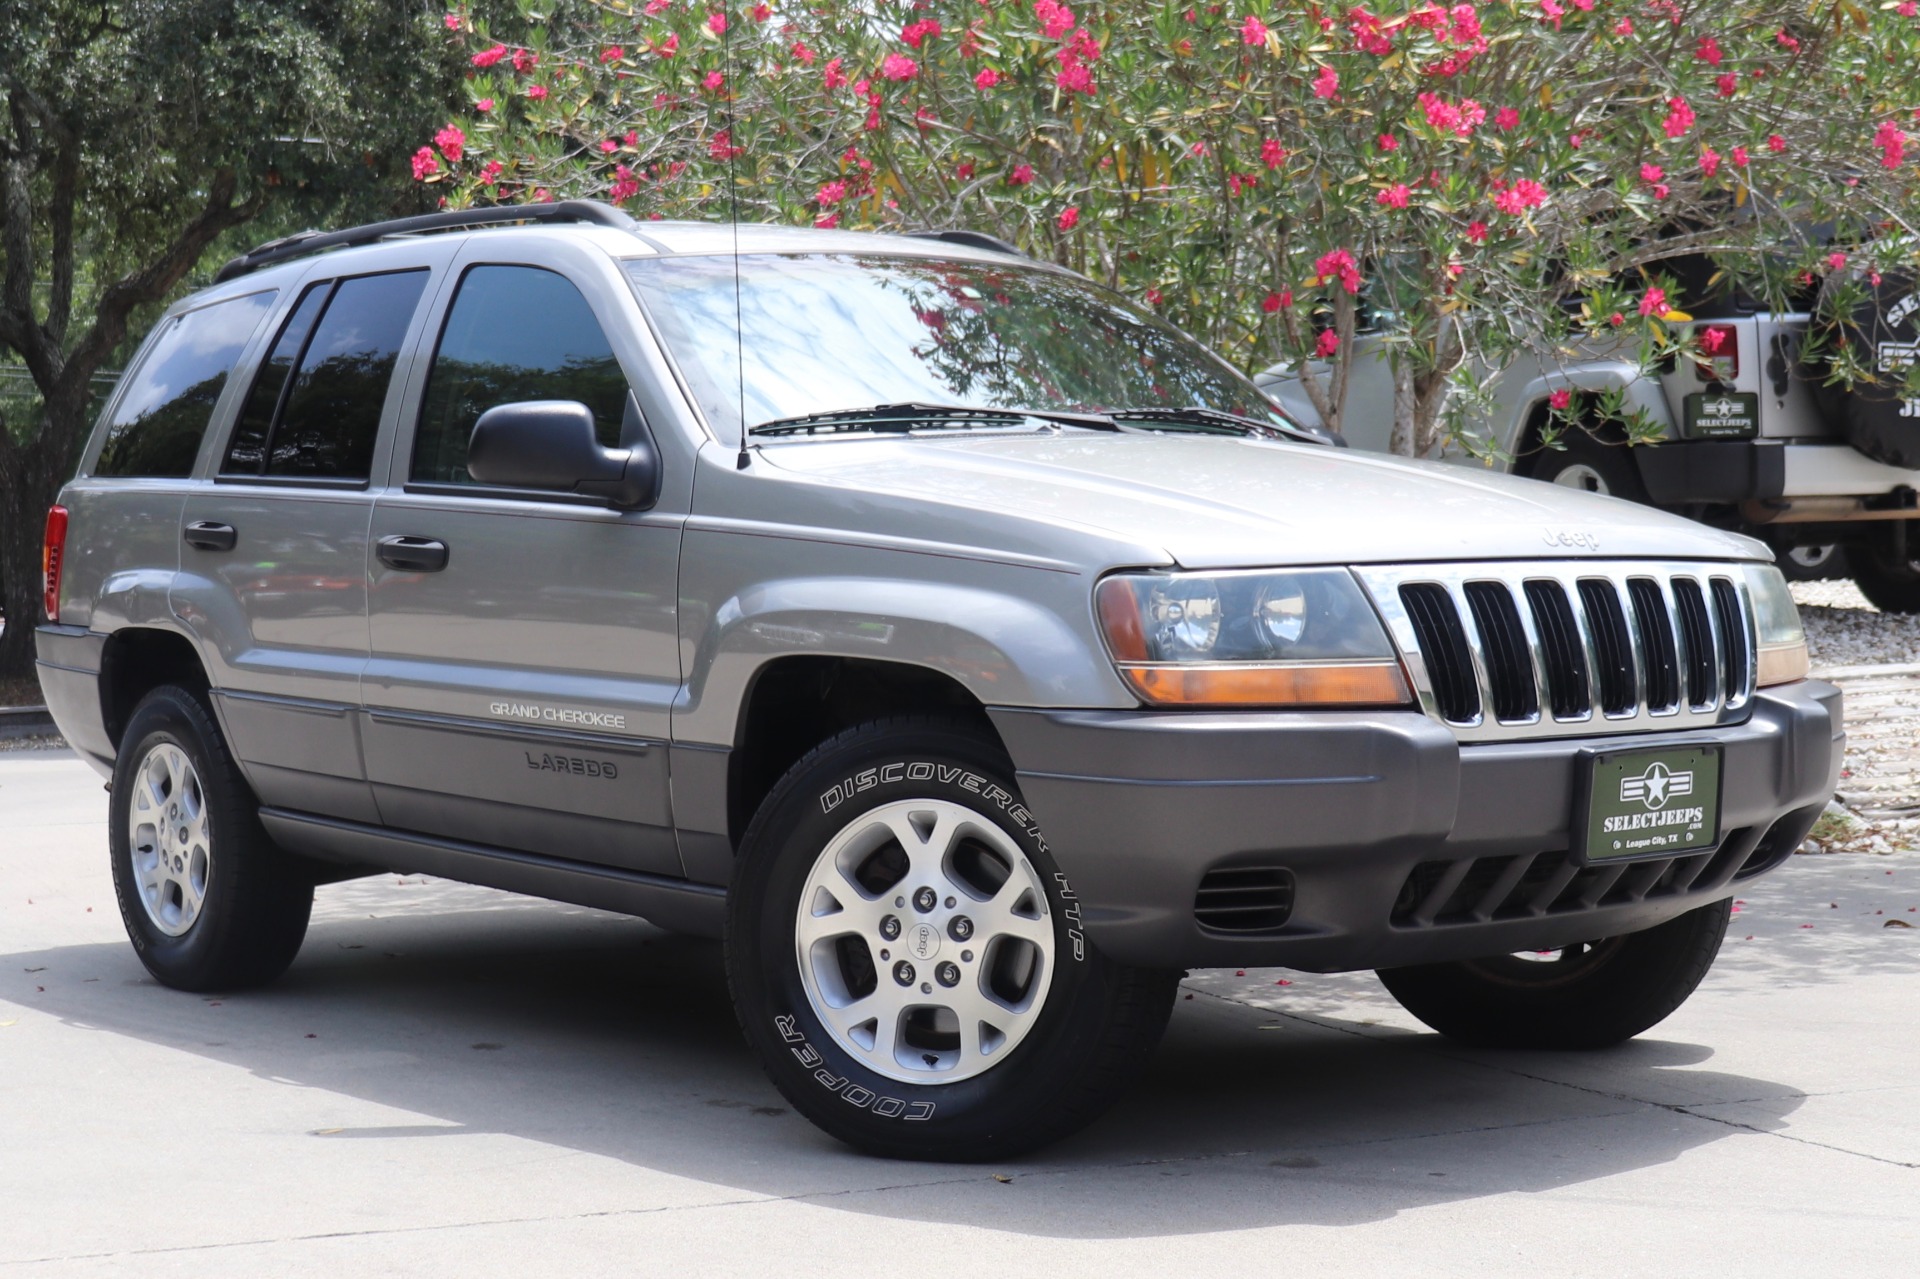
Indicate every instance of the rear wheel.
{"type": "Point", "coordinates": [1590, 995]}
{"type": "Point", "coordinates": [1889, 585]}
{"type": "Point", "coordinates": [906, 958]}
{"type": "Point", "coordinates": [208, 900]}
{"type": "Point", "coordinates": [1590, 466]}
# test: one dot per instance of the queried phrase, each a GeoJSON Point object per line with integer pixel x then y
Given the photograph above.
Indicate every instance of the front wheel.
{"type": "Point", "coordinates": [907, 960]}
{"type": "Point", "coordinates": [1591, 995]}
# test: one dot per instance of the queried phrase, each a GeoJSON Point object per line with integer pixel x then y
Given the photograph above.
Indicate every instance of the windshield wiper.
{"type": "Point", "coordinates": [1239, 424]}
{"type": "Point", "coordinates": [914, 415]}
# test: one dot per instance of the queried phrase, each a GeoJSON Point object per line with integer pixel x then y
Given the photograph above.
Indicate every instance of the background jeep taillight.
{"type": "Point", "coordinates": [52, 551]}
{"type": "Point", "coordinates": [1718, 356]}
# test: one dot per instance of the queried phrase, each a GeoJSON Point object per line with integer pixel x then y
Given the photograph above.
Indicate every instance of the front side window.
{"type": "Point", "coordinates": [514, 333]}
{"type": "Point", "coordinates": [826, 332]}
{"type": "Point", "coordinates": [314, 409]}
{"type": "Point", "coordinates": [156, 427]}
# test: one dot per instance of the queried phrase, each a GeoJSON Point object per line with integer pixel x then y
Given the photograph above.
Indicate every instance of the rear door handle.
{"type": "Point", "coordinates": [210, 535]}
{"type": "Point", "coordinates": [412, 554]}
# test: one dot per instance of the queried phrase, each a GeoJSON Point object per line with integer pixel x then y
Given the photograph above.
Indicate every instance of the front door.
{"type": "Point", "coordinates": [524, 656]}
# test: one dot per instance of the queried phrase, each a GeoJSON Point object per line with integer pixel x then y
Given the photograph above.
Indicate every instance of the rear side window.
{"type": "Point", "coordinates": [157, 425]}
{"type": "Point", "coordinates": [513, 333]}
{"type": "Point", "coordinates": [314, 409]}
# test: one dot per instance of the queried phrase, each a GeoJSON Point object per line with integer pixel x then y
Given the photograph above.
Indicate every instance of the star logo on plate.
{"type": "Point", "coordinates": [1656, 786]}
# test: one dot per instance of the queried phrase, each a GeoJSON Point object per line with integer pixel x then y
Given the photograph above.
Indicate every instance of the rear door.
{"type": "Point", "coordinates": [273, 569]}
{"type": "Point", "coordinates": [524, 652]}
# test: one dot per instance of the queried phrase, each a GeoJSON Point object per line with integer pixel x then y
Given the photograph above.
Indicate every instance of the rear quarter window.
{"type": "Point", "coordinates": [157, 425]}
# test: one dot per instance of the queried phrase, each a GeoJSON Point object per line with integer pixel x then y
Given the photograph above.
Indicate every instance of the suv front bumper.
{"type": "Point", "coordinates": [1398, 844]}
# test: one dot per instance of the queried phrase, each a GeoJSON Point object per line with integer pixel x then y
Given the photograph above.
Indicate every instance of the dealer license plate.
{"type": "Point", "coordinates": [1720, 415]}
{"type": "Point", "coordinates": [1662, 802]}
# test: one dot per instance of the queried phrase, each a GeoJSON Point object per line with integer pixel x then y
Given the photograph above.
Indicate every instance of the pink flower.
{"type": "Point", "coordinates": [1651, 173]}
{"type": "Point", "coordinates": [1836, 261]}
{"type": "Point", "coordinates": [722, 148]}
{"type": "Point", "coordinates": [915, 32]}
{"type": "Point", "coordinates": [1253, 31]}
{"type": "Point", "coordinates": [1506, 119]}
{"type": "Point", "coordinates": [1739, 157]}
{"type": "Point", "coordinates": [1728, 84]}
{"type": "Point", "coordinates": [1055, 18]}
{"type": "Point", "coordinates": [453, 21]}
{"type": "Point", "coordinates": [1711, 340]}
{"type": "Point", "coordinates": [1329, 343]}
{"type": "Point", "coordinates": [625, 185]}
{"type": "Point", "coordinates": [1075, 78]}
{"type": "Point", "coordinates": [1786, 41]}
{"type": "Point", "coordinates": [1679, 119]}
{"type": "Point", "coordinates": [1155, 297]}
{"type": "Point", "coordinates": [804, 54]}
{"type": "Point", "coordinates": [1776, 143]}
{"type": "Point", "coordinates": [1551, 11]}
{"type": "Point", "coordinates": [1069, 218]}
{"type": "Point", "coordinates": [832, 76]}
{"type": "Point", "coordinates": [1892, 141]}
{"type": "Point", "coordinates": [1387, 142]}
{"type": "Point", "coordinates": [1394, 197]}
{"type": "Point", "coordinates": [898, 66]}
{"type": "Point", "coordinates": [1339, 263]}
{"type": "Point", "coordinates": [1560, 399]}
{"type": "Point", "coordinates": [1653, 301]}
{"type": "Point", "coordinates": [1477, 232]}
{"type": "Point", "coordinates": [1708, 51]}
{"type": "Point", "coordinates": [485, 104]}
{"type": "Point", "coordinates": [827, 221]}
{"type": "Point", "coordinates": [1907, 8]}
{"type": "Point", "coordinates": [488, 57]}
{"type": "Point", "coordinates": [1624, 27]}
{"type": "Point", "coordinates": [424, 163]}
{"type": "Point", "coordinates": [525, 60]}
{"type": "Point", "coordinates": [762, 12]}
{"type": "Point", "coordinates": [717, 23]}
{"type": "Point", "coordinates": [1327, 83]}
{"type": "Point", "coordinates": [1521, 196]}
{"type": "Point", "coordinates": [1709, 161]}
{"type": "Point", "coordinates": [669, 46]}
{"type": "Point", "coordinates": [452, 143]}
{"type": "Point", "coordinates": [612, 53]}
{"type": "Point", "coordinates": [715, 81]}
{"type": "Point", "coordinates": [1277, 301]}
{"type": "Point", "coordinates": [1272, 154]}
{"type": "Point", "coordinates": [963, 170]}
{"type": "Point", "coordinates": [657, 7]}
{"type": "Point", "coordinates": [536, 91]}
{"type": "Point", "coordinates": [491, 170]}
{"type": "Point", "coordinates": [1616, 319]}
{"type": "Point", "coordinates": [831, 193]}
{"type": "Point", "coordinates": [1022, 175]}
{"type": "Point", "coordinates": [987, 78]}
{"type": "Point", "coordinates": [608, 146]}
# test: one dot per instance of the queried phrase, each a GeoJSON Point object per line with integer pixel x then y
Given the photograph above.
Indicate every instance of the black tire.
{"type": "Point", "coordinates": [1593, 996]}
{"type": "Point", "coordinates": [253, 913]}
{"type": "Point", "coordinates": [1882, 328]}
{"type": "Point", "coordinates": [1889, 586]}
{"type": "Point", "coordinates": [1604, 468]}
{"type": "Point", "coordinates": [1094, 1023]}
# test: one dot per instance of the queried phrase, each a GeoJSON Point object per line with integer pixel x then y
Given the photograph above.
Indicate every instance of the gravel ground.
{"type": "Point", "coordinates": [44, 742]}
{"type": "Point", "coordinates": [1844, 630]}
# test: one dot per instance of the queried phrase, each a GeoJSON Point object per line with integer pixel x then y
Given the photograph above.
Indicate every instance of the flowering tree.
{"type": "Point", "coordinates": [1469, 180]}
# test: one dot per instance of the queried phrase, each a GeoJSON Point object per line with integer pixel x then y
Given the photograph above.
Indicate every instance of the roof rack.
{"type": "Point", "coordinates": [302, 243]}
{"type": "Point", "coordinates": [972, 239]}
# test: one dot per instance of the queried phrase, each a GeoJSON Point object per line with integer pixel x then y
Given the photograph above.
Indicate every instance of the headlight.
{"type": "Point", "coordinates": [1301, 638]}
{"type": "Point", "coordinates": [1778, 635]}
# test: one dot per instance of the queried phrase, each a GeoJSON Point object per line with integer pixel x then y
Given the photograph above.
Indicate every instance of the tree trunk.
{"type": "Point", "coordinates": [37, 469]}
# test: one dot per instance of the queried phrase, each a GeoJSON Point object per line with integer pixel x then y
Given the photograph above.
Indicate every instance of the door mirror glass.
{"type": "Point", "coordinates": [551, 444]}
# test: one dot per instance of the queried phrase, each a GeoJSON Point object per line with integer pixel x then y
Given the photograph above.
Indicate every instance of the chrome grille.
{"type": "Point", "coordinates": [1571, 648]}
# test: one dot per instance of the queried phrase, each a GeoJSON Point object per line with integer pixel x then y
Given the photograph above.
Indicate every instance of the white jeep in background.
{"type": "Point", "coordinates": [1753, 441]}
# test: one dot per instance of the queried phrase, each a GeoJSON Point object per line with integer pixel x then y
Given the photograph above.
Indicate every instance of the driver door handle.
{"type": "Point", "coordinates": [412, 554]}
{"type": "Point", "coordinates": [210, 535]}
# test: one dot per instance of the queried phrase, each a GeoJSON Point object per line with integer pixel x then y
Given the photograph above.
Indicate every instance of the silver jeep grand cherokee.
{"type": "Point", "coordinates": [1017, 655]}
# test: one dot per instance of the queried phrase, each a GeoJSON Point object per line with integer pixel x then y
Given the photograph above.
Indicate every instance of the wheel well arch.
{"type": "Point", "coordinates": [794, 703]}
{"type": "Point", "coordinates": [135, 661]}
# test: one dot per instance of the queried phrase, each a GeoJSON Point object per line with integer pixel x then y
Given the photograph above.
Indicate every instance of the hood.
{"type": "Point", "coordinates": [1213, 502]}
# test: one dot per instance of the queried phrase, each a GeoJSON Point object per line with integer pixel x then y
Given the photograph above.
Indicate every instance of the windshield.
{"type": "Point", "coordinates": [825, 332]}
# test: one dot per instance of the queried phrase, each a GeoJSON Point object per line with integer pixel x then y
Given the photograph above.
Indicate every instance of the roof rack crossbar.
{"type": "Point", "coordinates": [303, 243]}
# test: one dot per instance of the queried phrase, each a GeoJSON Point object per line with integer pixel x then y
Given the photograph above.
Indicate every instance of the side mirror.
{"type": "Point", "coordinates": [550, 444]}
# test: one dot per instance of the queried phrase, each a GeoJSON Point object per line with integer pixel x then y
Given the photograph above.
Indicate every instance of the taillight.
{"type": "Point", "coordinates": [52, 551]}
{"type": "Point", "coordinates": [1717, 354]}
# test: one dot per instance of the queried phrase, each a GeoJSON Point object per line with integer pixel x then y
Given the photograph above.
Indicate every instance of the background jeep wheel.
{"type": "Point", "coordinates": [1591, 995]}
{"type": "Point", "coordinates": [1591, 466]}
{"type": "Point", "coordinates": [906, 959]}
{"type": "Point", "coordinates": [1890, 586]}
{"type": "Point", "coordinates": [209, 901]}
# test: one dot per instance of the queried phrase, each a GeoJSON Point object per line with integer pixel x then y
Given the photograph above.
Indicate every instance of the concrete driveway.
{"type": "Point", "coordinates": [455, 1081]}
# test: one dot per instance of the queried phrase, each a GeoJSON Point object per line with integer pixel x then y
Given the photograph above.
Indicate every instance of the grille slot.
{"type": "Point", "coordinates": [1734, 664]}
{"type": "Point", "coordinates": [1561, 649]}
{"type": "Point", "coordinates": [1509, 665]}
{"type": "Point", "coordinates": [1443, 643]}
{"type": "Point", "coordinates": [1696, 635]}
{"type": "Point", "coordinates": [1613, 651]}
{"type": "Point", "coordinates": [1244, 899]}
{"type": "Point", "coordinates": [1508, 651]}
{"type": "Point", "coordinates": [1659, 659]}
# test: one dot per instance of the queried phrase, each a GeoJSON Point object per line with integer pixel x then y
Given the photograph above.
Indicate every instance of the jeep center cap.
{"type": "Point", "coordinates": [923, 941]}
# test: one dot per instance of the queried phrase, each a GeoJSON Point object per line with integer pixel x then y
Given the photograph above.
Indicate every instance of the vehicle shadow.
{"type": "Point", "coordinates": [602, 1035]}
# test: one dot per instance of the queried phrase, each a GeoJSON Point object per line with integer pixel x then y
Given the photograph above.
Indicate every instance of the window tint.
{"type": "Point", "coordinates": [157, 425]}
{"type": "Point", "coordinates": [332, 410]}
{"type": "Point", "coordinates": [513, 333]}
{"type": "Point", "coordinates": [249, 445]}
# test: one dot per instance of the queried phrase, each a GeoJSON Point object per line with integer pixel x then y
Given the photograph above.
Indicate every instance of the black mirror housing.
{"type": "Point", "coordinates": [550, 444]}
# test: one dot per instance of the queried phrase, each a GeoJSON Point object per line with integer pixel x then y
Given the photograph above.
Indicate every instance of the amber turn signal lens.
{"type": "Point", "coordinates": [1292, 684]}
{"type": "Point", "coordinates": [1783, 664]}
